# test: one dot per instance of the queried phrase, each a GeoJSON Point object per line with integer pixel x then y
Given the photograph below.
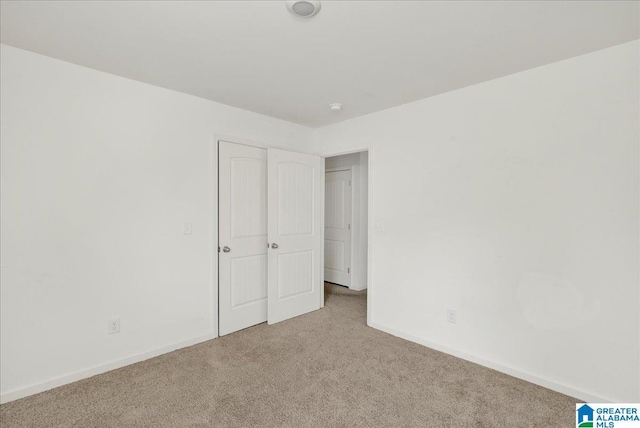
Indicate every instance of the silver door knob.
{"type": "Point", "coordinates": [274, 246]}
{"type": "Point", "coordinates": [226, 249]}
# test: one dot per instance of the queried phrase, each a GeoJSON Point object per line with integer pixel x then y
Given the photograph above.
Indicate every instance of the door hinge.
{"type": "Point", "coordinates": [348, 270]}
{"type": "Point", "coordinates": [349, 226]}
{"type": "Point", "coordinates": [349, 182]}
{"type": "Point", "coordinates": [218, 249]}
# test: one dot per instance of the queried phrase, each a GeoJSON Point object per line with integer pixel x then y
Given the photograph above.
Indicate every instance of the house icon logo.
{"type": "Point", "coordinates": [585, 417]}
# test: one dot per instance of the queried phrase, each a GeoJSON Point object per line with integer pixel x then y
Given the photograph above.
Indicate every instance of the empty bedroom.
{"type": "Point", "coordinates": [320, 214]}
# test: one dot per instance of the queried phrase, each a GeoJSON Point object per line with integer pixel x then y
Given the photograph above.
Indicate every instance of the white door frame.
{"type": "Point", "coordinates": [370, 227]}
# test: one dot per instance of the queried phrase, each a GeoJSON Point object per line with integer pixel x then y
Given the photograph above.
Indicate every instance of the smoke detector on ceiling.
{"type": "Point", "coordinates": [304, 9]}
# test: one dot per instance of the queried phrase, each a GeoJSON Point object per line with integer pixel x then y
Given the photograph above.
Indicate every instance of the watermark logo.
{"type": "Point", "coordinates": [585, 416]}
{"type": "Point", "coordinates": [608, 415]}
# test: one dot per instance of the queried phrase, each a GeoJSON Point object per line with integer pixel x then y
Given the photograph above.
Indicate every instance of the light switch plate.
{"type": "Point", "coordinates": [188, 228]}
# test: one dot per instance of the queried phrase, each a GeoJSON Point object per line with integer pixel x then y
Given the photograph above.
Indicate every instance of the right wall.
{"type": "Point", "coordinates": [514, 202]}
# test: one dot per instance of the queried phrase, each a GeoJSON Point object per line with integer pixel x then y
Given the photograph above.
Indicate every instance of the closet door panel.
{"type": "Point", "coordinates": [295, 195]}
{"type": "Point", "coordinates": [242, 237]}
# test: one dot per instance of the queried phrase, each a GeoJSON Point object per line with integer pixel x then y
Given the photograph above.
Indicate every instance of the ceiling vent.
{"type": "Point", "coordinates": [304, 9]}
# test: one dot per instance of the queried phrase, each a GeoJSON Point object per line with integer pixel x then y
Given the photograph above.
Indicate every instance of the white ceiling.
{"type": "Point", "coordinates": [366, 55]}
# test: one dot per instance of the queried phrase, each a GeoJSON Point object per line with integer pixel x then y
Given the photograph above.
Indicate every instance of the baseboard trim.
{"type": "Point", "coordinates": [113, 365]}
{"type": "Point", "coordinates": [577, 393]}
{"type": "Point", "coordinates": [103, 368]}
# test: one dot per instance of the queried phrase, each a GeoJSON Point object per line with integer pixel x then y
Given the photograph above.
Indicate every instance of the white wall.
{"type": "Point", "coordinates": [99, 173]}
{"type": "Point", "coordinates": [516, 203]}
{"type": "Point", "coordinates": [358, 162]}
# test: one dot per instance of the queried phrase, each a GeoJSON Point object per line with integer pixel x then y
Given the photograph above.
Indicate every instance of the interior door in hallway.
{"type": "Point", "coordinates": [337, 227]}
{"type": "Point", "coordinates": [242, 236]}
{"type": "Point", "coordinates": [295, 211]}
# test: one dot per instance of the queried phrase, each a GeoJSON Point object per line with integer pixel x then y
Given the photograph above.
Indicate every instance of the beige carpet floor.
{"type": "Point", "coordinates": [324, 369]}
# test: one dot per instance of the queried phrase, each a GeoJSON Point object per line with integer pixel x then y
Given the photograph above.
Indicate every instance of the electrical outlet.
{"type": "Point", "coordinates": [113, 326]}
{"type": "Point", "coordinates": [451, 315]}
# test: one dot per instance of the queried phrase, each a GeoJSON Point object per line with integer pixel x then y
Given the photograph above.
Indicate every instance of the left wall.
{"type": "Point", "coordinates": [99, 175]}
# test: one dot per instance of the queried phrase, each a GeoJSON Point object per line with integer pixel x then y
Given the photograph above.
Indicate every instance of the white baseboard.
{"type": "Point", "coordinates": [577, 393]}
{"type": "Point", "coordinates": [87, 373]}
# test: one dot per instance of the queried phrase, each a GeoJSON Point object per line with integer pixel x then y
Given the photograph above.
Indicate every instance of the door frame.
{"type": "Point", "coordinates": [370, 223]}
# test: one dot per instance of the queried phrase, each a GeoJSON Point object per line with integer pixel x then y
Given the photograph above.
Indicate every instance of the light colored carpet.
{"type": "Point", "coordinates": [324, 369]}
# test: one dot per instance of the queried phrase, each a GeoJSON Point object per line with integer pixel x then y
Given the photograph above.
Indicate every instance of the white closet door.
{"type": "Point", "coordinates": [242, 237]}
{"type": "Point", "coordinates": [295, 220]}
{"type": "Point", "coordinates": [337, 227]}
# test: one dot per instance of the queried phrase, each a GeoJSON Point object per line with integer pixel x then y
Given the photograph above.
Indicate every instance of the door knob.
{"type": "Point", "coordinates": [226, 249]}
{"type": "Point", "coordinates": [274, 246]}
